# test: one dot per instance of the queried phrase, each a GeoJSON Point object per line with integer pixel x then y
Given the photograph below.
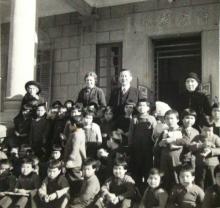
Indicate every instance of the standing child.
{"type": "Point", "coordinates": [212, 194]}
{"type": "Point", "coordinates": [53, 192]}
{"type": "Point", "coordinates": [119, 190]}
{"type": "Point", "coordinates": [141, 143]}
{"type": "Point", "coordinates": [206, 148]}
{"type": "Point", "coordinates": [7, 181]}
{"type": "Point", "coordinates": [186, 194]}
{"type": "Point", "coordinates": [154, 196]}
{"type": "Point", "coordinates": [216, 118]}
{"type": "Point", "coordinates": [39, 132]}
{"type": "Point", "coordinates": [93, 135]}
{"type": "Point", "coordinates": [90, 186]}
{"type": "Point", "coordinates": [169, 153]}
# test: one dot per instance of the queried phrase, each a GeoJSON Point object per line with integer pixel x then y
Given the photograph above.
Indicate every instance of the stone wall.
{"type": "Point", "coordinates": [73, 39]}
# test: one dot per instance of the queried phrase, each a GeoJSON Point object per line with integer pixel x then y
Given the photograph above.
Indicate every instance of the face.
{"type": "Point", "coordinates": [75, 112]}
{"type": "Point", "coordinates": [32, 89]}
{"type": "Point", "coordinates": [129, 109]}
{"type": "Point", "coordinates": [90, 81]}
{"type": "Point", "coordinates": [171, 120]}
{"type": "Point", "coordinates": [125, 78]}
{"type": "Point", "coordinates": [217, 179]}
{"type": "Point", "coordinates": [186, 178]}
{"type": "Point", "coordinates": [108, 116]}
{"type": "Point", "coordinates": [119, 171]}
{"type": "Point", "coordinates": [4, 168]}
{"type": "Point", "coordinates": [189, 121]}
{"type": "Point", "coordinates": [52, 173]}
{"type": "Point", "coordinates": [88, 171]}
{"type": "Point", "coordinates": [191, 84]}
{"type": "Point", "coordinates": [41, 111]}
{"type": "Point", "coordinates": [56, 155]}
{"type": "Point", "coordinates": [207, 131]}
{"type": "Point", "coordinates": [88, 120]}
{"type": "Point", "coordinates": [143, 107]}
{"type": "Point", "coordinates": [216, 113]}
{"type": "Point", "coordinates": [153, 181]}
{"type": "Point", "coordinates": [111, 144]}
{"type": "Point", "coordinates": [69, 105]}
{"type": "Point", "coordinates": [26, 169]}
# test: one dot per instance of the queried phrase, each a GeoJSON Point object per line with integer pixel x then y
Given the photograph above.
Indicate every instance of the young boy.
{"type": "Point", "coordinates": [39, 133]}
{"type": "Point", "coordinates": [216, 118]}
{"type": "Point", "coordinates": [93, 135]}
{"type": "Point", "coordinates": [53, 192]}
{"type": "Point", "coordinates": [169, 153]}
{"type": "Point", "coordinates": [212, 194]}
{"type": "Point", "coordinates": [90, 187]}
{"type": "Point", "coordinates": [154, 196]}
{"type": "Point", "coordinates": [119, 190]}
{"type": "Point", "coordinates": [186, 194]}
{"type": "Point", "coordinates": [7, 181]}
{"type": "Point", "coordinates": [27, 184]}
{"type": "Point", "coordinates": [206, 148]}
{"type": "Point", "coordinates": [141, 143]}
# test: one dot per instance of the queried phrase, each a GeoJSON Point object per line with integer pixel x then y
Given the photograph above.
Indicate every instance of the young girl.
{"type": "Point", "coordinates": [93, 135]}
{"type": "Point", "coordinates": [154, 195]}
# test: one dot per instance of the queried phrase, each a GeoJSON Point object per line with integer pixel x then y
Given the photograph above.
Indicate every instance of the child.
{"type": "Point", "coordinates": [7, 181]}
{"type": "Point", "coordinates": [53, 192]}
{"type": "Point", "coordinates": [212, 194]}
{"type": "Point", "coordinates": [27, 184]}
{"type": "Point", "coordinates": [119, 190]}
{"type": "Point", "coordinates": [39, 133]}
{"type": "Point", "coordinates": [93, 135]}
{"type": "Point", "coordinates": [140, 142]}
{"type": "Point", "coordinates": [216, 118]}
{"type": "Point", "coordinates": [90, 186]}
{"type": "Point", "coordinates": [186, 194]}
{"type": "Point", "coordinates": [154, 196]}
{"type": "Point", "coordinates": [169, 153]}
{"type": "Point", "coordinates": [206, 147]}
{"type": "Point", "coordinates": [123, 121]}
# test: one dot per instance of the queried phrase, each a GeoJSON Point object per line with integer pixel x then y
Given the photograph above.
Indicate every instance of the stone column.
{"type": "Point", "coordinates": [22, 42]}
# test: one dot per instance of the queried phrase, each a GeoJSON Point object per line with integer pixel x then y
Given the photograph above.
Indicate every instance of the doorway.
{"type": "Point", "coordinates": [174, 58]}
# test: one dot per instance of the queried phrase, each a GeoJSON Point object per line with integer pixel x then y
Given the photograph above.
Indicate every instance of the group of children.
{"type": "Point", "coordinates": [89, 157]}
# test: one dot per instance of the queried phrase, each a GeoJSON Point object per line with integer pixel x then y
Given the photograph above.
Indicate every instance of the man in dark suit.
{"type": "Point", "coordinates": [123, 94]}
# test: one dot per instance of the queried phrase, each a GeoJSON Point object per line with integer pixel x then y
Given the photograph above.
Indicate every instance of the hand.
{"type": "Point", "coordinates": [52, 196]}
{"type": "Point", "coordinates": [115, 200]}
{"type": "Point", "coordinates": [111, 197]}
{"type": "Point", "coordinates": [206, 152]}
{"type": "Point", "coordinates": [46, 199]}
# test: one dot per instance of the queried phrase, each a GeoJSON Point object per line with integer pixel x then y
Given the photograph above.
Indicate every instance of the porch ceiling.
{"type": "Point", "coordinates": [54, 7]}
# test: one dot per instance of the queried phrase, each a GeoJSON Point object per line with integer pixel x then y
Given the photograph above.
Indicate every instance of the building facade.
{"type": "Point", "coordinates": [158, 40]}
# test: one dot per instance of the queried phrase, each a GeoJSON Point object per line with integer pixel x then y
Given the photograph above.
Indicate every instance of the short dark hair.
{"type": "Point", "coordinates": [155, 171]}
{"type": "Point", "coordinates": [217, 169]}
{"type": "Point", "coordinates": [90, 161]}
{"type": "Point", "coordinates": [207, 121]}
{"type": "Point", "coordinates": [27, 160]}
{"type": "Point", "coordinates": [55, 164]}
{"type": "Point", "coordinates": [143, 100]}
{"type": "Point", "coordinates": [172, 111]}
{"type": "Point", "coordinates": [88, 113]}
{"type": "Point", "coordinates": [123, 70]}
{"type": "Point", "coordinates": [121, 162]}
{"type": "Point", "coordinates": [187, 168]}
{"type": "Point", "coordinates": [189, 112]}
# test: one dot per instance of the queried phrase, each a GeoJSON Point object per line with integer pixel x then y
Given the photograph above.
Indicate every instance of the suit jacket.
{"type": "Point", "coordinates": [117, 101]}
{"type": "Point", "coordinates": [96, 95]}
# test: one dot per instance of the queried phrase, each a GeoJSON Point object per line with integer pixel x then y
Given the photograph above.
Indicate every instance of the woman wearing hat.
{"type": "Point", "coordinates": [194, 99]}
{"type": "Point", "coordinates": [91, 93]}
{"type": "Point", "coordinates": [32, 97]}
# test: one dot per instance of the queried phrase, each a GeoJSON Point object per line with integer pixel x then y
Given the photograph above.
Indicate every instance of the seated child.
{"type": "Point", "coordinates": [186, 194]}
{"type": "Point", "coordinates": [154, 196]}
{"type": "Point", "coordinates": [27, 184]}
{"type": "Point", "coordinates": [206, 148]}
{"type": "Point", "coordinates": [212, 194]}
{"type": "Point", "coordinates": [119, 190]}
{"type": "Point", "coordinates": [53, 192]}
{"type": "Point", "coordinates": [216, 118]}
{"type": "Point", "coordinates": [93, 135]}
{"type": "Point", "coordinates": [90, 186]}
{"type": "Point", "coordinates": [7, 183]}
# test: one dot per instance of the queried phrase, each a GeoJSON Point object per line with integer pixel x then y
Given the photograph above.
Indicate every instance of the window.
{"type": "Point", "coordinates": [44, 72]}
{"type": "Point", "coordinates": [108, 66]}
